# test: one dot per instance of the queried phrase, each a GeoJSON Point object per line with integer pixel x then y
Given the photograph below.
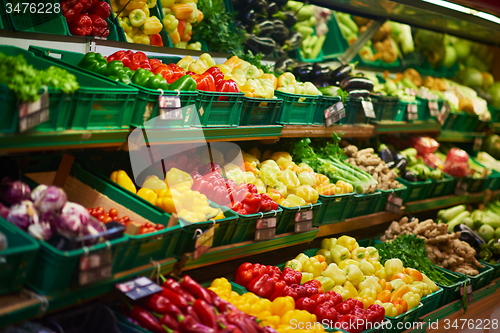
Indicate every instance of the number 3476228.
{"type": "Point", "coordinates": [32, 8]}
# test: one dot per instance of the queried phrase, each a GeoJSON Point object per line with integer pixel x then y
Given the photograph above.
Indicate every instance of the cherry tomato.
{"type": "Point", "coordinates": [100, 210]}
{"type": "Point", "coordinates": [113, 212]}
{"type": "Point", "coordinates": [159, 226]}
{"type": "Point", "coordinates": [100, 217]}
{"type": "Point", "coordinates": [126, 218]}
{"type": "Point", "coordinates": [107, 219]}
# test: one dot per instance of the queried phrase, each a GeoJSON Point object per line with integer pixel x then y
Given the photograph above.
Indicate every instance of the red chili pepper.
{"type": "Point", "coordinates": [204, 82]}
{"type": "Point", "coordinates": [217, 74]}
{"type": "Point", "coordinates": [146, 319]}
{"type": "Point", "coordinates": [291, 276]}
{"type": "Point", "coordinates": [206, 313]}
{"type": "Point", "coordinates": [161, 304]}
{"type": "Point", "coordinates": [178, 300]}
{"type": "Point", "coordinates": [169, 321]}
{"type": "Point", "coordinates": [189, 311]}
{"type": "Point", "coordinates": [81, 26]}
{"type": "Point", "coordinates": [99, 26]}
{"type": "Point", "coordinates": [307, 304]}
{"type": "Point", "coordinates": [190, 325]}
{"type": "Point", "coordinates": [71, 9]}
{"type": "Point", "coordinates": [279, 287]}
{"type": "Point", "coordinates": [262, 286]}
{"type": "Point", "coordinates": [176, 287]}
{"type": "Point", "coordinates": [155, 40]}
{"type": "Point", "coordinates": [195, 289]}
{"type": "Point", "coordinates": [325, 312]}
{"type": "Point", "coordinates": [100, 8]}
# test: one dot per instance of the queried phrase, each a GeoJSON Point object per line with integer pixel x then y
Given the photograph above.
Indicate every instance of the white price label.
{"type": "Point", "coordinates": [169, 107]}
{"type": "Point", "coordinates": [394, 204]}
{"type": "Point", "coordinates": [368, 107]}
{"type": "Point", "coordinates": [139, 288]}
{"type": "Point", "coordinates": [95, 267]}
{"type": "Point", "coordinates": [33, 114]}
{"type": "Point", "coordinates": [412, 111]}
{"type": "Point", "coordinates": [445, 112]}
{"type": "Point", "coordinates": [269, 222]}
{"type": "Point", "coordinates": [204, 242]}
{"type": "Point", "coordinates": [478, 143]}
{"type": "Point", "coordinates": [434, 108]}
{"type": "Point", "coordinates": [334, 113]}
{"type": "Point", "coordinates": [303, 221]}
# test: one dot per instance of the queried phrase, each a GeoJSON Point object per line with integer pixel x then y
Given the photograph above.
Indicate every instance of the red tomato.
{"type": "Point", "coordinates": [159, 226]}
{"type": "Point", "coordinates": [100, 217]}
{"type": "Point", "coordinates": [125, 218]}
{"type": "Point", "coordinates": [107, 219]}
{"type": "Point", "coordinates": [113, 212]}
{"type": "Point", "coordinates": [100, 210]}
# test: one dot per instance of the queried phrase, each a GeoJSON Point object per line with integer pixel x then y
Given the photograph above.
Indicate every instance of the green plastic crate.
{"type": "Point", "coordinates": [451, 293]}
{"type": "Point", "coordinates": [354, 112]}
{"type": "Point", "coordinates": [218, 109]}
{"type": "Point", "coordinates": [384, 195]}
{"type": "Point", "coordinates": [464, 122]}
{"type": "Point", "coordinates": [335, 44]}
{"type": "Point", "coordinates": [18, 259]}
{"type": "Point", "coordinates": [474, 185]}
{"type": "Point", "coordinates": [386, 107]}
{"type": "Point", "coordinates": [398, 323]}
{"type": "Point", "coordinates": [246, 225]}
{"type": "Point", "coordinates": [431, 302]}
{"type": "Point", "coordinates": [323, 103]}
{"type": "Point", "coordinates": [402, 112]}
{"type": "Point", "coordinates": [296, 109]}
{"type": "Point", "coordinates": [222, 234]}
{"type": "Point", "coordinates": [286, 221]}
{"type": "Point", "coordinates": [496, 269]}
{"type": "Point", "coordinates": [332, 209]}
{"type": "Point", "coordinates": [100, 103]}
{"type": "Point", "coordinates": [41, 17]}
{"type": "Point", "coordinates": [482, 279]}
{"type": "Point", "coordinates": [415, 191]}
{"type": "Point", "coordinates": [260, 111]}
{"type": "Point", "coordinates": [362, 204]}
{"type": "Point", "coordinates": [424, 108]}
{"type": "Point", "coordinates": [442, 187]}
{"type": "Point", "coordinates": [495, 113]}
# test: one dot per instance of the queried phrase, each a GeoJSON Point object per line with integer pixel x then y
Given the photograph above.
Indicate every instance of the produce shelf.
{"type": "Point", "coordinates": [447, 201]}
{"type": "Point", "coordinates": [319, 131]}
{"type": "Point", "coordinates": [406, 127]}
{"type": "Point", "coordinates": [454, 136]}
{"type": "Point", "coordinates": [496, 127]}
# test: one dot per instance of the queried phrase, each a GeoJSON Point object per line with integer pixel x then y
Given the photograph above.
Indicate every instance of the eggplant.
{"type": "Point", "coordinates": [410, 176]}
{"type": "Point", "coordinates": [356, 83]}
{"type": "Point", "coordinates": [385, 153]}
{"type": "Point", "coordinates": [283, 65]}
{"type": "Point", "coordinates": [280, 33]}
{"type": "Point", "coordinates": [256, 44]}
{"type": "Point", "coordinates": [260, 6]}
{"type": "Point", "coordinates": [390, 164]}
{"type": "Point", "coordinates": [288, 18]}
{"type": "Point", "coordinates": [468, 235]}
{"type": "Point", "coordinates": [272, 9]}
{"type": "Point", "coordinates": [322, 83]}
{"type": "Point", "coordinates": [359, 93]}
{"type": "Point", "coordinates": [401, 164]}
{"type": "Point", "coordinates": [281, 3]}
{"type": "Point", "coordinates": [248, 18]}
{"type": "Point", "coordinates": [293, 42]}
{"type": "Point", "coordinates": [321, 72]}
{"type": "Point", "coordinates": [263, 29]}
{"type": "Point", "coordinates": [341, 73]}
{"type": "Point", "coordinates": [303, 73]}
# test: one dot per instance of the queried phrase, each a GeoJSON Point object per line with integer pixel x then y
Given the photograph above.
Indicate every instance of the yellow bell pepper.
{"type": "Point", "coordinates": [358, 253]}
{"type": "Point", "coordinates": [141, 38]}
{"type": "Point", "coordinates": [167, 204]}
{"type": "Point", "coordinates": [346, 262]}
{"type": "Point", "coordinates": [307, 192]}
{"type": "Point", "coordinates": [125, 24]}
{"type": "Point", "coordinates": [397, 283]}
{"type": "Point", "coordinates": [152, 26]}
{"type": "Point", "coordinates": [233, 62]}
{"type": "Point", "coordinates": [148, 195]}
{"type": "Point", "coordinates": [294, 317]}
{"type": "Point", "coordinates": [294, 201]}
{"type": "Point", "coordinates": [294, 264]}
{"type": "Point", "coordinates": [176, 38]}
{"type": "Point", "coordinates": [348, 242]}
{"type": "Point", "coordinates": [432, 286]}
{"type": "Point", "coordinates": [121, 178]}
{"type": "Point", "coordinates": [137, 17]}
{"type": "Point", "coordinates": [340, 253]}
{"type": "Point", "coordinates": [313, 266]}
{"type": "Point", "coordinates": [275, 195]}
{"type": "Point", "coordinates": [326, 282]}
{"type": "Point", "coordinates": [306, 277]}
{"type": "Point", "coordinates": [177, 177]}
{"type": "Point", "coordinates": [198, 66]}
{"type": "Point", "coordinates": [412, 299]}
{"type": "Point", "coordinates": [367, 292]}
{"type": "Point", "coordinates": [282, 305]}
{"type": "Point", "coordinates": [376, 264]}
{"type": "Point", "coordinates": [132, 4]}
{"type": "Point", "coordinates": [326, 254]}
{"type": "Point", "coordinates": [207, 58]}
{"type": "Point", "coordinates": [393, 266]}
{"type": "Point", "coordinates": [328, 189]}
{"type": "Point", "coordinates": [351, 288]}
{"type": "Point", "coordinates": [335, 273]}
{"type": "Point", "coordinates": [239, 77]}
{"type": "Point", "coordinates": [186, 61]}
{"type": "Point", "coordinates": [302, 258]}
{"type": "Point", "coordinates": [366, 267]}
{"type": "Point", "coordinates": [390, 310]}
{"type": "Point", "coordinates": [372, 254]}
{"type": "Point", "coordinates": [342, 291]}
{"type": "Point", "coordinates": [154, 183]}
{"type": "Point", "coordinates": [222, 283]}
{"type": "Point", "coordinates": [354, 274]}
{"type": "Point", "coordinates": [272, 321]}
{"type": "Point", "coordinates": [370, 282]}
{"type": "Point", "coordinates": [366, 300]}
{"type": "Point", "coordinates": [182, 11]}
{"type": "Point", "coordinates": [290, 179]}
{"type": "Point", "coordinates": [328, 243]}
{"type": "Point", "coordinates": [286, 79]}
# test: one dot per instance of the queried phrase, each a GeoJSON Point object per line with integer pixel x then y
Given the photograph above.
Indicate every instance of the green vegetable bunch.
{"type": "Point", "coordinates": [26, 81]}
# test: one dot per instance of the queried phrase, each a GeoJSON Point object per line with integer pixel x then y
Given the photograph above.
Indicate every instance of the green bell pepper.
{"type": "Point", "coordinates": [114, 78]}
{"type": "Point", "coordinates": [141, 77]}
{"type": "Point", "coordinates": [184, 83]}
{"type": "Point", "coordinates": [114, 67]}
{"type": "Point", "coordinates": [157, 82]}
{"type": "Point", "coordinates": [94, 62]}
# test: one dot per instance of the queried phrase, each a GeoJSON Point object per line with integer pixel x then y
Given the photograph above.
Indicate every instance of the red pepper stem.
{"type": "Point", "coordinates": [163, 279]}
{"type": "Point", "coordinates": [168, 330]}
{"type": "Point", "coordinates": [130, 306]}
{"type": "Point", "coordinates": [156, 314]}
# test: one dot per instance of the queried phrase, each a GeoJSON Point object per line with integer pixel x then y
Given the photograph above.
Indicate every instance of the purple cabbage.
{"type": "Point", "coordinates": [23, 215]}
{"type": "Point", "coordinates": [40, 231]}
{"type": "Point", "coordinates": [51, 199]}
{"type": "Point", "coordinates": [13, 192]}
{"type": "Point", "coordinates": [73, 220]}
{"type": "Point", "coordinates": [35, 194]}
{"type": "Point", "coordinates": [4, 211]}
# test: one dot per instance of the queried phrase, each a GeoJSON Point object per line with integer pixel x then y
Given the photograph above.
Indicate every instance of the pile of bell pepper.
{"type": "Point", "coordinates": [178, 20]}
{"type": "Point", "coordinates": [186, 306]}
{"type": "Point", "coordinates": [86, 17]}
{"type": "Point", "coordinates": [138, 24]}
{"type": "Point", "coordinates": [356, 272]}
{"type": "Point", "coordinates": [280, 314]}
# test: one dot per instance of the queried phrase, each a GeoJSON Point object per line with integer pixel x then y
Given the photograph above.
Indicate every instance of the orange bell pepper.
{"type": "Point", "coordinates": [250, 167]}
{"type": "Point", "coordinates": [398, 293]}
{"type": "Point", "coordinates": [400, 305]}
{"type": "Point", "coordinates": [327, 189]}
{"type": "Point", "coordinates": [405, 277]}
{"type": "Point", "coordinates": [414, 274]}
{"type": "Point", "coordinates": [233, 62]}
{"type": "Point", "coordinates": [384, 296]}
{"type": "Point", "coordinates": [182, 11]}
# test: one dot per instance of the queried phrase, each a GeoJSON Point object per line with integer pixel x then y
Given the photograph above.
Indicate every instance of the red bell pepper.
{"type": "Point", "coordinates": [205, 82]}
{"type": "Point", "coordinates": [379, 310]}
{"type": "Point", "coordinates": [334, 296]}
{"type": "Point", "coordinates": [120, 56]}
{"type": "Point", "coordinates": [279, 287]}
{"type": "Point", "coordinates": [146, 65]}
{"type": "Point", "coordinates": [154, 63]}
{"type": "Point", "coordinates": [210, 167]}
{"type": "Point", "coordinates": [245, 202]}
{"type": "Point", "coordinates": [146, 319]}
{"type": "Point", "coordinates": [262, 286]}
{"type": "Point", "coordinates": [155, 40]}
{"type": "Point", "coordinates": [99, 26]}
{"type": "Point", "coordinates": [351, 323]}
{"type": "Point", "coordinates": [227, 86]}
{"type": "Point", "coordinates": [177, 72]}
{"type": "Point", "coordinates": [244, 274]}
{"type": "Point", "coordinates": [319, 298]}
{"type": "Point", "coordinates": [290, 291]}
{"type": "Point", "coordinates": [301, 291]}
{"type": "Point", "coordinates": [344, 308]}
{"type": "Point", "coordinates": [355, 303]}
{"type": "Point", "coordinates": [87, 4]}
{"type": "Point", "coordinates": [313, 287]}
{"type": "Point", "coordinates": [274, 271]}
{"type": "Point", "coordinates": [217, 74]}
{"type": "Point", "coordinates": [291, 276]}
{"type": "Point", "coordinates": [267, 204]}
{"type": "Point", "coordinates": [195, 289]}
{"type": "Point", "coordinates": [325, 312]}
{"type": "Point", "coordinates": [101, 9]}
{"type": "Point", "coordinates": [71, 9]}
{"type": "Point", "coordinates": [81, 26]}
{"type": "Point", "coordinates": [306, 303]}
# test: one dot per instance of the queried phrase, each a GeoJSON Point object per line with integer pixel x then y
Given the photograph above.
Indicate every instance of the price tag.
{"type": "Point", "coordinates": [478, 143]}
{"type": "Point", "coordinates": [368, 107]}
{"type": "Point", "coordinates": [139, 288]}
{"type": "Point", "coordinates": [445, 112]}
{"type": "Point", "coordinates": [412, 111]}
{"type": "Point", "coordinates": [303, 221]}
{"type": "Point", "coordinates": [461, 188]}
{"type": "Point", "coordinates": [394, 204]}
{"type": "Point", "coordinates": [334, 113]}
{"type": "Point", "coordinates": [204, 242]}
{"type": "Point", "coordinates": [467, 291]}
{"type": "Point", "coordinates": [95, 267]}
{"type": "Point", "coordinates": [434, 108]}
{"type": "Point", "coordinates": [265, 228]}
{"type": "Point", "coordinates": [169, 107]}
{"type": "Point", "coordinates": [33, 114]}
